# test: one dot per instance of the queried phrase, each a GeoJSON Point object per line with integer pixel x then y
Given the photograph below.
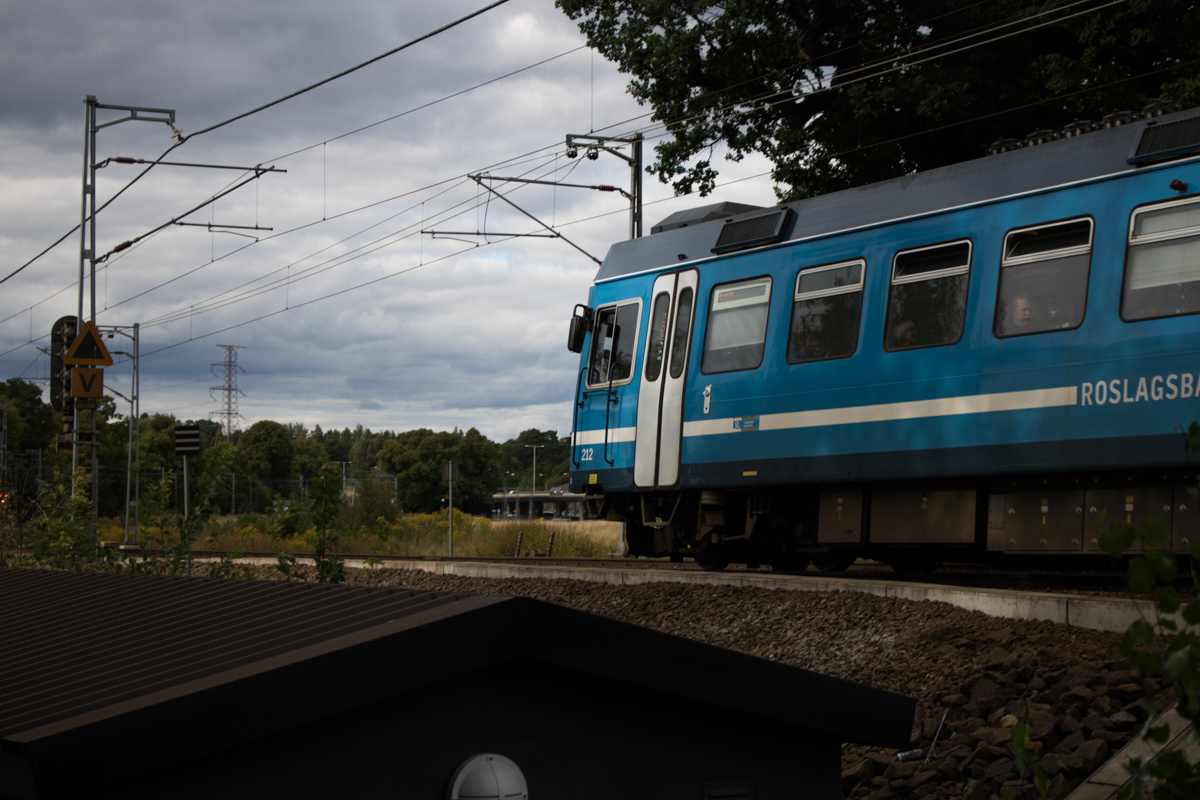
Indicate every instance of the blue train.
{"type": "Point", "coordinates": [963, 364]}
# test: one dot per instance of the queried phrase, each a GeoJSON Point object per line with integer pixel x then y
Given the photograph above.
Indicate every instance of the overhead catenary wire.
{"type": "Point", "coordinates": [182, 138]}
{"type": "Point", "coordinates": [666, 125]}
{"type": "Point", "coordinates": [931, 58]}
{"type": "Point", "coordinates": [308, 272]}
{"type": "Point", "coordinates": [669, 199]}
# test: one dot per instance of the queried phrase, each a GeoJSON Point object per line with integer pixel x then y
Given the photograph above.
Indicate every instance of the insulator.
{"type": "Point", "coordinates": [122, 246]}
{"type": "Point", "coordinates": [593, 153]}
{"type": "Point", "coordinates": [124, 160]}
{"type": "Point", "coordinates": [572, 152]}
{"type": "Point", "coordinates": [604, 187]}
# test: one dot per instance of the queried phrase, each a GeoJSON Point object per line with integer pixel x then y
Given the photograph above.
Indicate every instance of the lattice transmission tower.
{"type": "Point", "coordinates": [228, 414]}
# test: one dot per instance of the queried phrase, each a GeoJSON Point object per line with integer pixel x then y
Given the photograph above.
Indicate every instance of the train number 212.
{"type": "Point", "coordinates": [587, 453]}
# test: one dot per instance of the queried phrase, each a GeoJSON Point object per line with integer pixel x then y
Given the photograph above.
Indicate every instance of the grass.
{"type": "Point", "coordinates": [428, 535]}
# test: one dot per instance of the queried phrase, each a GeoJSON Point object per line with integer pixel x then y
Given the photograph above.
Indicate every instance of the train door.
{"type": "Point", "coordinates": [664, 368]}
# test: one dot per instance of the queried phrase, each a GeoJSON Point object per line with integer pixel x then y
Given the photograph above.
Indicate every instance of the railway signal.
{"type": "Point", "coordinates": [62, 335]}
{"type": "Point", "coordinates": [187, 443]}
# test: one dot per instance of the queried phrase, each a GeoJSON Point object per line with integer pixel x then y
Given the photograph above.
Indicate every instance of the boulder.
{"type": "Point", "coordinates": [1051, 764]}
{"type": "Point", "coordinates": [948, 770]}
{"type": "Point", "coordinates": [1123, 720]}
{"type": "Point", "coordinates": [1059, 787]}
{"type": "Point", "coordinates": [1079, 694]}
{"type": "Point", "coordinates": [983, 691]}
{"type": "Point", "coordinates": [1042, 725]}
{"type": "Point", "coordinates": [998, 658]}
{"type": "Point", "coordinates": [1000, 770]}
{"type": "Point", "coordinates": [856, 773]}
{"type": "Point", "coordinates": [919, 779]}
{"type": "Point", "coordinates": [1088, 756]}
{"type": "Point", "coordinates": [1094, 722]}
{"type": "Point", "coordinates": [996, 737]}
{"type": "Point", "coordinates": [1127, 692]}
{"type": "Point", "coordinates": [1069, 743]}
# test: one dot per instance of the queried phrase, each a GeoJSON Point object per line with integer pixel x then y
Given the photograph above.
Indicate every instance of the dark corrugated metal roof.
{"type": "Point", "coordinates": [92, 664]}
{"type": "Point", "coordinates": [75, 643]}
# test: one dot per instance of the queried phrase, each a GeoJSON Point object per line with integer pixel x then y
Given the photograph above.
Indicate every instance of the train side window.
{"type": "Point", "coordinates": [683, 325]}
{"type": "Point", "coordinates": [656, 337]}
{"type": "Point", "coordinates": [826, 311]}
{"type": "Point", "coordinates": [1162, 262]}
{"type": "Point", "coordinates": [614, 343]}
{"type": "Point", "coordinates": [737, 326]}
{"type": "Point", "coordinates": [927, 306]}
{"type": "Point", "coordinates": [1044, 278]}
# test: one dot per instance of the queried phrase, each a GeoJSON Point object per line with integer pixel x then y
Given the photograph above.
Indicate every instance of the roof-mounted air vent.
{"type": "Point", "coordinates": [1165, 140]}
{"type": "Point", "coordinates": [743, 233]}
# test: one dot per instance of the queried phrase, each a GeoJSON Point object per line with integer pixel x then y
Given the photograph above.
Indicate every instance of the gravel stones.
{"type": "Point", "coordinates": [982, 673]}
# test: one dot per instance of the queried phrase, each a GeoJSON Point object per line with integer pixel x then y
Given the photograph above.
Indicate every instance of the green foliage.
{"type": "Point", "coordinates": [416, 457]}
{"type": "Point", "coordinates": [326, 496]}
{"type": "Point", "coordinates": [61, 536]}
{"type": "Point", "coordinates": [1025, 758]}
{"type": "Point", "coordinates": [228, 567]}
{"type": "Point", "coordinates": [372, 501]}
{"type": "Point", "coordinates": [170, 551]}
{"type": "Point", "coordinates": [1154, 572]}
{"type": "Point", "coordinates": [838, 94]}
{"type": "Point", "coordinates": [307, 457]}
{"type": "Point", "coordinates": [286, 564]}
{"type": "Point", "coordinates": [265, 450]}
{"type": "Point", "coordinates": [31, 422]}
{"type": "Point", "coordinates": [288, 518]}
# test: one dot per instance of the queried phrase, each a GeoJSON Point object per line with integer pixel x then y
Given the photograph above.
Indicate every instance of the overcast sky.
{"type": "Point", "coordinates": [450, 334]}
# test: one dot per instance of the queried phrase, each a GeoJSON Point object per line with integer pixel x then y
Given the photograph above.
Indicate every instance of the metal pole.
{"type": "Point", "coordinates": [94, 433]}
{"type": "Point", "coordinates": [137, 436]}
{"type": "Point", "coordinates": [185, 487]}
{"type": "Point", "coordinates": [89, 117]}
{"type": "Point", "coordinates": [635, 185]}
{"type": "Point", "coordinates": [451, 482]}
{"type": "Point", "coordinates": [4, 444]}
{"type": "Point", "coordinates": [232, 493]}
{"type": "Point", "coordinates": [533, 482]}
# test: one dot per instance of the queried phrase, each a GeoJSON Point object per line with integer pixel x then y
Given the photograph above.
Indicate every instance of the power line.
{"type": "Point", "coordinates": [671, 125]}
{"type": "Point", "coordinates": [264, 107]}
{"type": "Point", "coordinates": [842, 85]}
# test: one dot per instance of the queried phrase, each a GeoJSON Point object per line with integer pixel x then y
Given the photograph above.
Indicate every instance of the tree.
{"type": "Point", "coordinates": [416, 457]}
{"type": "Point", "coordinates": [308, 456]}
{"type": "Point", "coordinates": [838, 93]}
{"type": "Point", "coordinates": [31, 423]}
{"type": "Point", "coordinates": [553, 458]}
{"type": "Point", "coordinates": [265, 452]}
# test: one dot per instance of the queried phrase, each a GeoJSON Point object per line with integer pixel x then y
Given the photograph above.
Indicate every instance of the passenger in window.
{"type": "Point", "coordinates": [1022, 312]}
{"type": "Point", "coordinates": [904, 335]}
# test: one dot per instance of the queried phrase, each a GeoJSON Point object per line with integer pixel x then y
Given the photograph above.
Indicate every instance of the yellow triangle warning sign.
{"type": "Point", "coordinates": [88, 349]}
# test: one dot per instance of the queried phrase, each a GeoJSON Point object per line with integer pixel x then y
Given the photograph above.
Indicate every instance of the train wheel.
{"type": "Point", "coordinates": [833, 561]}
{"type": "Point", "coordinates": [714, 557]}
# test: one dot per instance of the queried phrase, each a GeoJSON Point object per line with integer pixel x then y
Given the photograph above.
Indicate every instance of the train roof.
{"type": "Point", "coordinates": [1106, 152]}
